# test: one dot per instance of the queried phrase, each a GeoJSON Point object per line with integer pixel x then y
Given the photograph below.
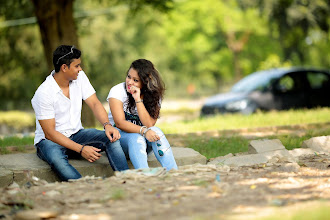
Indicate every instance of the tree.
{"type": "Point", "coordinates": [294, 19]}
{"type": "Point", "coordinates": [57, 26]}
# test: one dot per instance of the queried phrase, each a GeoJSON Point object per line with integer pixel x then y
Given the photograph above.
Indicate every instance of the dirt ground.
{"type": "Point", "coordinates": [195, 192]}
{"type": "Point", "coordinates": [192, 192]}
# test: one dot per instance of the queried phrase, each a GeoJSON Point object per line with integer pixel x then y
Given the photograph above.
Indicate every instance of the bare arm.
{"type": "Point", "coordinates": [118, 114]}
{"type": "Point", "coordinates": [100, 113]}
{"type": "Point", "coordinates": [144, 115]}
{"type": "Point", "coordinates": [48, 126]}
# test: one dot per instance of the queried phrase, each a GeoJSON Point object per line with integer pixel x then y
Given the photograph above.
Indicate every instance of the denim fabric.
{"type": "Point", "coordinates": [136, 147]}
{"type": "Point", "coordinates": [57, 156]}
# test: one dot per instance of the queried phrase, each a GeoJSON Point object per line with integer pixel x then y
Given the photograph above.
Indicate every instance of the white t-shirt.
{"type": "Point", "coordinates": [119, 92]}
{"type": "Point", "coordinates": [49, 102]}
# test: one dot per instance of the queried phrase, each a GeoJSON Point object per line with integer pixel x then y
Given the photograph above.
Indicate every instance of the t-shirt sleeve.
{"type": "Point", "coordinates": [43, 106]}
{"type": "Point", "coordinates": [117, 92]}
{"type": "Point", "coordinates": [86, 86]}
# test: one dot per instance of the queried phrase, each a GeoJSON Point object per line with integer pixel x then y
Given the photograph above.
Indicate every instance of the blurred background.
{"type": "Point", "coordinates": [200, 47]}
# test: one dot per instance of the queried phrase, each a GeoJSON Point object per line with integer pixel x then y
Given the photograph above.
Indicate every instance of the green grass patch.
{"type": "Point", "coordinates": [220, 146]}
{"type": "Point", "coordinates": [259, 119]}
{"type": "Point", "coordinates": [215, 147]}
{"type": "Point", "coordinates": [316, 213]}
{"type": "Point", "coordinates": [19, 143]}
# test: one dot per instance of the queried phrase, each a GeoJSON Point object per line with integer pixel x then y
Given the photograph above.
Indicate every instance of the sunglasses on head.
{"type": "Point", "coordinates": [65, 55]}
{"type": "Point", "coordinates": [159, 144]}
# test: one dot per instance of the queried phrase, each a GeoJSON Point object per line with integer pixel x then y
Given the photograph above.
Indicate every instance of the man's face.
{"type": "Point", "coordinates": [72, 72]}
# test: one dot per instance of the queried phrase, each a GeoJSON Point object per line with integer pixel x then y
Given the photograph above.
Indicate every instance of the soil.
{"type": "Point", "coordinates": [192, 192]}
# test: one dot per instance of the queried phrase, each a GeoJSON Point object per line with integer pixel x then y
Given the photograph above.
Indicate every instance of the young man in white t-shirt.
{"type": "Point", "coordinates": [59, 133]}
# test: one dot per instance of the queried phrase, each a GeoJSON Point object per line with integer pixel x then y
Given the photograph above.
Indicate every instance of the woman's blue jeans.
{"type": "Point", "coordinates": [137, 147]}
{"type": "Point", "coordinates": [57, 156]}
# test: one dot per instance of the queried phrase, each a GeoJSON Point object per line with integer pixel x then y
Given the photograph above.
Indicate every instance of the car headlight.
{"type": "Point", "coordinates": [237, 105]}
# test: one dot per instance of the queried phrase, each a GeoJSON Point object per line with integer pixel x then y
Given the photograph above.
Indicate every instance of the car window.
{"type": "Point", "coordinates": [252, 82]}
{"type": "Point", "coordinates": [285, 84]}
{"type": "Point", "coordinates": [318, 80]}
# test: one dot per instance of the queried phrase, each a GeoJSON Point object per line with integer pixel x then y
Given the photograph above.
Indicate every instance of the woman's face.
{"type": "Point", "coordinates": [133, 79]}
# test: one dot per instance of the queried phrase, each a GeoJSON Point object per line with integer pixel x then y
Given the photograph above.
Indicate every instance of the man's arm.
{"type": "Point", "coordinates": [101, 114]}
{"type": "Point", "coordinates": [48, 126]}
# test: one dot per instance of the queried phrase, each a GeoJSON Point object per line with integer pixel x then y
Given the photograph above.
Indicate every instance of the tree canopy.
{"type": "Point", "coordinates": [207, 43]}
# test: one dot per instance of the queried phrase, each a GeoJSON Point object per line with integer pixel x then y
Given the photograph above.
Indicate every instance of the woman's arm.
{"type": "Point", "coordinates": [118, 115]}
{"type": "Point", "coordinates": [117, 111]}
{"type": "Point", "coordinates": [144, 116]}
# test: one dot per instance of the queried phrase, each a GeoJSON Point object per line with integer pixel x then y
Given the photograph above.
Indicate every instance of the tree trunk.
{"type": "Point", "coordinates": [57, 26]}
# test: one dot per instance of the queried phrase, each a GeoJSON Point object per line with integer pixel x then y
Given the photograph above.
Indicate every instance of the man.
{"type": "Point", "coordinates": [59, 133]}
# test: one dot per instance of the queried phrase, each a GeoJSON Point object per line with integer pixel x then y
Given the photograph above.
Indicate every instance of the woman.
{"type": "Point", "coordinates": [134, 109]}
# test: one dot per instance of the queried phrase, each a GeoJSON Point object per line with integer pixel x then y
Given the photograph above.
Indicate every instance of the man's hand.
{"type": "Point", "coordinates": [112, 133]}
{"type": "Point", "coordinates": [91, 153]}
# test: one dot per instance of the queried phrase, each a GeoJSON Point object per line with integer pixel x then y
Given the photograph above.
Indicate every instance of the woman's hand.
{"type": "Point", "coordinates": [136, 92]}
{"type": "Point", "coordinates": [151, 136]}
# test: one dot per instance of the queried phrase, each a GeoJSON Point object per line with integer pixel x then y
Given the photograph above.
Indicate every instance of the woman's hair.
{"type": "Point", "coordinates": [153, 87]}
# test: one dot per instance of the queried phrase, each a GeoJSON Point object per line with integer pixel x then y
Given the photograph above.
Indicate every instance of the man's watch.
{"type": "Point", "coordinates": [106, 123]}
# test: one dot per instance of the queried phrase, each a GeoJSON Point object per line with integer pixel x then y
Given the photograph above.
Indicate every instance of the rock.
{"type": "Point", "coordinates": [319, 144]}
{"type": "Point", "coordinates": [289, 167]}
{"type": "Point", "coordinates": [301, 152]}
{"type": "Point", "coordinates": [219, 160]}
{"type": "Point", "coordinates": [36, 214]}
{"type": "Point", "coordinates": [265, 145]}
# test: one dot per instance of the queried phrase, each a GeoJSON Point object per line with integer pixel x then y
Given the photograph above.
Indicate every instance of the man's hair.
{"type": "Point", "coordinates": [64, 54]}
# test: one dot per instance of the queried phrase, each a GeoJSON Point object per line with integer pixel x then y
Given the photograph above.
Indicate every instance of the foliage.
{"type": "Point", "coordinates": [207, 44]}
{"type": "Point", "coordinates": [17, 119]}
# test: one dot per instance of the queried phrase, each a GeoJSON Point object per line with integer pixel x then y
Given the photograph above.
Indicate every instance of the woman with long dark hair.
{"type": "Point", "coordinates": [134, 109]}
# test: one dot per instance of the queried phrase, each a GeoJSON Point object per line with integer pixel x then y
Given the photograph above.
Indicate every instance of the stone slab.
{"type": "Point", "coordinates": [6, 177]}
{"type": "Point", "coordinates": [265, 145]}
{"type": "Point", "coordinates": [301, 152]}
{"type": "Point", "coordinates": [319, 144]}
{"type": "Point", "coordinates": [255, 159]}
{"type": "Point", "coordinates": [21, 167]}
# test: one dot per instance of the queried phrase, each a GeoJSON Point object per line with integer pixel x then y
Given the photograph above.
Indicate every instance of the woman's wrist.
{"type": "Point", "coordinates": [141, 100]}
{"type": "Point", "coordinates": [145, 132]}
{"type": "Point", "coordinates": [142, 129]}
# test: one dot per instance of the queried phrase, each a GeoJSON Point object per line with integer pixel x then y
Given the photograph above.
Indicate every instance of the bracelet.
{"type": "Point", "coordinates": [82, 149]}
{"type": "Point", "coordinates": [144, 133]}
{"type": "Point", "coordinates": [142, 128]}
{"type": "Point", "coordinates": [141, 100]}
{"type": "Point", "coordinates": [106, 123]}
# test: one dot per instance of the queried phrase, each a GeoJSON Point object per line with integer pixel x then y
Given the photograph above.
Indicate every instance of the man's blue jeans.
{"type": "Point", "coordinates": [136, 147]}
{"type": "Point", "coordinates": [57, 156]}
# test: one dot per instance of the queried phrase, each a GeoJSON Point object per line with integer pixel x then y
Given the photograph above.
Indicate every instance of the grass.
{"type": "Point", "coordinates": [19, 143]}
{"type": "Point", "coordinates": [220, 146]}
{"type": "Point", "coordinates": [259, 119]}
{"type": "Point", "coordinates": [320, 212]}
{"type": "Point", "coordinates": [211, 146]}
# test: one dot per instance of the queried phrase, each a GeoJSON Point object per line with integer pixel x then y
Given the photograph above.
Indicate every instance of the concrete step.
{"type": "Point", "coordinates": [21, 167]}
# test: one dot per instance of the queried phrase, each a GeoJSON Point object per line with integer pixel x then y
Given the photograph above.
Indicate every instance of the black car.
{"type": "Point", "coordinates": [274, 89]}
